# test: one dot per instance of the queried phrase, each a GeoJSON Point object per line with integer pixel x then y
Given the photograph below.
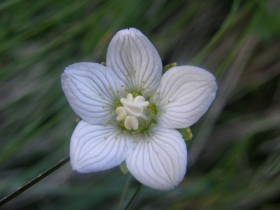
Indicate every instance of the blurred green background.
{"type": "Point", "coordinates": [234, 157]}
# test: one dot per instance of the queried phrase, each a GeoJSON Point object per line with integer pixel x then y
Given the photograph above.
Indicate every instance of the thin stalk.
{"type": "Point", "coordinates": [125, 189]}
{"type": "Point", "coordinates": [34, 181]}
{"type": "Point", "coordinates": [134, 197]}
{"type": "Point", "coordinates": [231, 18]}
{"type": "Point", "coordinates": [238, 45]}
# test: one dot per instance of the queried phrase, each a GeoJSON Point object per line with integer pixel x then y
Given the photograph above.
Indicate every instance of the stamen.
{"type": "Point", "coordinates": [120, 111]}
{"type": "Point", "coordinates": [131, 122]}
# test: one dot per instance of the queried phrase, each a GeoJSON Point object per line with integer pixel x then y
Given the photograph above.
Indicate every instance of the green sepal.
{"type": "Point", "coordinates": [188, 135]}
{"type": "Point", "coordinates": [78, 120]}
{"type": "Point", "coordinates": [169, 66]}
{"type": "Point", "coordinates": [123, 168]}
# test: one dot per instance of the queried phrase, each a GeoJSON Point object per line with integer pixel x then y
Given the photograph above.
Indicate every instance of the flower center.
{"type": "Point", "coordinates": [132, 113]}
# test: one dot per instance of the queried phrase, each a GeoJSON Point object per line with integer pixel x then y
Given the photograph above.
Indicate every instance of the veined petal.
{"type": "Point", "coordinates": [97, 148]}
{"type": "Point", "coordinates": [159, 161]}
{"type": "Point", "coordinates": [92, 91]}
{"type": "Point", "coordinates": [135, 61]}
{"type": "Point", "coordinates": [184, 95]}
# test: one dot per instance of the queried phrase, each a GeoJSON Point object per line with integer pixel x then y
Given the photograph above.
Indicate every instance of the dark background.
{"type": "Point", "coordinates": [234, 157]}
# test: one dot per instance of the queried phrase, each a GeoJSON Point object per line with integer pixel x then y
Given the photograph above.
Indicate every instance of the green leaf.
{"type": "Point", "coordinates": [123, 168]}
{"type": "Point", "coordinates": [169, 66]}
{"type": "Point", "coordinates": [188, 135]}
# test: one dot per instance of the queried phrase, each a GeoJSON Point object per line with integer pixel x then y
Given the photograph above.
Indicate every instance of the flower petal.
{"type": "Point", "coordinates": [97, 148]}
{"type": "Point", "coordinates": [159, 161]}
{"type": "Point", "coordinates": [184, 95]}
{"type": "Point", "coordinates": [91, 90]}
{"type": "Point", "coordinates": [135, 60]}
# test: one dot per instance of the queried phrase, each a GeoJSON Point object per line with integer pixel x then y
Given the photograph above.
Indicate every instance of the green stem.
{"type": "Point", "coordinates": [34, 181]}
{"type": "Point", "coordinates": [231, 18]}
{"type": "Point", "coordinates": [238, 44]}
{"type": "Point", "coordinates": [134, 197]}
{"type": "Point", "coordinates": [125, 189]}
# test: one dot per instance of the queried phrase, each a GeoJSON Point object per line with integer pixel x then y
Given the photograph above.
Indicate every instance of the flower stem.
{"type": "Point", "coordinates": [134, 197]}
{"type": "Point", "coordinates": [34, 181]}
{"type": "Point", "coordinates": [128, 180]}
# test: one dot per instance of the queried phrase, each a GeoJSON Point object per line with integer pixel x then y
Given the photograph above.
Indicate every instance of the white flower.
{"type": "Point", "coordinates": [130, 111]}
